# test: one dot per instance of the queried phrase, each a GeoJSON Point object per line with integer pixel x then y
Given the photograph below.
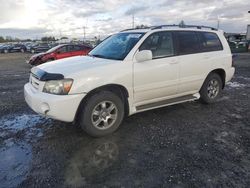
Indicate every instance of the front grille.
{"type": "Point", "coordinates": [34, 81]}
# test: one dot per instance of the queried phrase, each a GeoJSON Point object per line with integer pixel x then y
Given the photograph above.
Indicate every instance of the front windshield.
{"type": "Point", "coordinates": [117, 46]}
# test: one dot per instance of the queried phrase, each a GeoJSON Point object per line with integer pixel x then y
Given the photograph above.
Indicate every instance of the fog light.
{"type": "Point", "coordinates": [45, 108]}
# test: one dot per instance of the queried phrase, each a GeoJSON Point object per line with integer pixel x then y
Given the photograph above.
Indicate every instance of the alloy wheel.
{"type": "Point", "coordinates": [213, 88]}
{"type": "Point", "coordinates": [104, 115]}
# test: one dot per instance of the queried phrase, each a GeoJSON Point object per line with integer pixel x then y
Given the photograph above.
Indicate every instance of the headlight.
{"type": "Point", "coordinates": [58, 87]}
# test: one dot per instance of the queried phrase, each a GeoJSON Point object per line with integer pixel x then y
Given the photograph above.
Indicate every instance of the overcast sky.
{"type": "Point", "coordinates": [36, 18]}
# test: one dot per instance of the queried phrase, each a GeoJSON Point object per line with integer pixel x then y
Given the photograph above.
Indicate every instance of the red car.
{"type": "Point", "coordinates": [59, 52]}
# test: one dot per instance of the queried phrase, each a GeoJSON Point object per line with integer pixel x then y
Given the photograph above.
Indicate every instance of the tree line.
{"type": "Point", "coordinates": [15, 39]}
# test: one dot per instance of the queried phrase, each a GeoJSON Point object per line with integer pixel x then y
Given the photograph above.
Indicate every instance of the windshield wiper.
{"type": "Point", "coordinates": [97, 55]}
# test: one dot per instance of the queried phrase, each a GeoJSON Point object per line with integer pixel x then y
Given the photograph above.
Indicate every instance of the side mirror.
{"type": "Point", "coordinates": [143, 55]}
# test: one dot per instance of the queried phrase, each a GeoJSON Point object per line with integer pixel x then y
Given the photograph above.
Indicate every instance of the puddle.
{"type": "Point", "coordinates": [22, 121]}
{"type": "Point", "coordinates": [30, 123]}
{"type": "Point", "coordinates": [15, 163]}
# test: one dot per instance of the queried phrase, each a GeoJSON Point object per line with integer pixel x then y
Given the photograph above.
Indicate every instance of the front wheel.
{"type": "Point", "coordinates": [102, 113]}
{"type": "Point", "coordinates": [211, 88]}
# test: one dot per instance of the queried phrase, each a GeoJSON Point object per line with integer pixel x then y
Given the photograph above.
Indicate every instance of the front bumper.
{"type": "Point", "coordinates": [59, 107]}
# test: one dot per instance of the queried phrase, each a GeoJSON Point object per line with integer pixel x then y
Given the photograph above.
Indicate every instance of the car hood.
{"type": "Point", "coordinates": [75, 65]}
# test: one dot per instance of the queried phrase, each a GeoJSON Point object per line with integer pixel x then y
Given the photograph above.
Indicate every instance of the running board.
{"type": "Point", "coordinates": [167, 102]}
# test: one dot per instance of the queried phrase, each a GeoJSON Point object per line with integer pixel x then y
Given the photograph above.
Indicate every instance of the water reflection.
{"type": "Point", "coordinates": [90, 160]}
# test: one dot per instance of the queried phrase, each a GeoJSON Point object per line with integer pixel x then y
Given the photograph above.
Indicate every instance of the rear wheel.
{"type": "Point", "coordinates": [32, 51]}
{"type": "Point", "coordinates": [211, 88]}
{"type": "Point", "coordinates": [6, 51]}
{"type": "Point", "coordinates": [102, 114]}
{"type": "Point", "coordinates": [22, 50]}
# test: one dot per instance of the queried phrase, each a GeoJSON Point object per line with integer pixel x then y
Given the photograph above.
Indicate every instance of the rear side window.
{"type": "Point", "coordinates": [210, 42]}
{"type": "Point", "coordinates": [160, 43]}
{"type": "Point", "coordinates": [77, 48]}
{"type": "Point", "coordinates": [188, 42]}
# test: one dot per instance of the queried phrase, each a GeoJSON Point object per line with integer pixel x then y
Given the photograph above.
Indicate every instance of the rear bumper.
{"type": "Point", "coordinates": [59, 107]}
{"type": "Point", "coordinates": [229, 74]}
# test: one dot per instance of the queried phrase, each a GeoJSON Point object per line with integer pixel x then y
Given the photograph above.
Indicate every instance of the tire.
{"type": "Point", "coordinates": [211, 89]}
{"type": "Point", "coordinates": [32, 51]}
{"type": "Point", "coordinates": [22, 50]}
{"type": "Point", "coordinates": [93, 115]}
{"type": "Point", "coordinates": [6, 51]}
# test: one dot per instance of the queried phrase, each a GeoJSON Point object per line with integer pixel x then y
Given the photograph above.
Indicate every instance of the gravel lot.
{"type": "Point", "coordinates": [186, 145]}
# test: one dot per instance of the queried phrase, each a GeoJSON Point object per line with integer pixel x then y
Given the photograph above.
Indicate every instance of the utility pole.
{"type": "Point", "coordinates": [84, 32]}
{"type": "Point", "coordinates": [218, 23]}
{"type": "Point", "coordinates": [133, 21]}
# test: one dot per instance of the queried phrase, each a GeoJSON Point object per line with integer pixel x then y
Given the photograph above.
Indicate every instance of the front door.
{"type": "Point", "coordinates": [62, 52]}
{"type": "Point", "coordinates": [156, 79]}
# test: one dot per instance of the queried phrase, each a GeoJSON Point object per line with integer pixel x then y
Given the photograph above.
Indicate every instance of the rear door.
{"type": "Point", "coordinates": [77, 50]}
{"type": "Point", "coordinates": [192, 67]}
{"type": "Point", "coordinates": [198, 51]}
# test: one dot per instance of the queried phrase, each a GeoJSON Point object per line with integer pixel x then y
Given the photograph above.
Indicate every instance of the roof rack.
{"type": "Point", "coordinates": [136, 29]}
{"type": "Point", "coordinates": [173, 25]}
{"type": "Point", "coordinates": [184, 26]}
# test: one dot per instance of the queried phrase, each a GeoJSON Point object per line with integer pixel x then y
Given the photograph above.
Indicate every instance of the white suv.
{"type": "Point", "coordinates": [130, 72]}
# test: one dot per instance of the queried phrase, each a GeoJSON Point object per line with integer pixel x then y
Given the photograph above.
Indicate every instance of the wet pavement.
{"type": "Point", "coordinates": [186, 145]}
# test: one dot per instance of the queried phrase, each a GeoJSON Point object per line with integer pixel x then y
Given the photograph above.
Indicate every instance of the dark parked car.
{"type": "Point", "coordinates": [43, 47]}
{"type": "Point", "coordinates": [13, 48]}
{"type": "Point", "coordinates": [59, 52]}
{"type": "Point", "coordinates": [4, 48]}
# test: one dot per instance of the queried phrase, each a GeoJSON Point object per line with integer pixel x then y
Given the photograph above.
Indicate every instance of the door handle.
{"type": "Point", "coordinates": [207, 57]}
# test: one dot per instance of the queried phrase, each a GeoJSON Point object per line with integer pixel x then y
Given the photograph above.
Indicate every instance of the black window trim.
{"type": "Point", "coordinates": [174, 44]}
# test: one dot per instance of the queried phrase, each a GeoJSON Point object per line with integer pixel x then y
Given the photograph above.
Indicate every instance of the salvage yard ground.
{"type": "Point", "coordinates": [186, 145]}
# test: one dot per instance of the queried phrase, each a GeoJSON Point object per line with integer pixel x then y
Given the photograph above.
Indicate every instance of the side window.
{"type": "Point", "coordinates": [62, 49]}
{"type": "Point", "coordinates": [70, 48]}
{"type": "Point", "coordinates": [210, 42]}
{"type": "Point", "coordinates": [77, 48]}
{"type": "Point", "coordinates": [161, 44]}
{"type": "Point", "coordinates": [188, 42]}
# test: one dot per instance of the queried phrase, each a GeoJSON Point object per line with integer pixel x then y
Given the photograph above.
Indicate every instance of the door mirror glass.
{"type": "Point", "coordinates": [144, 55]}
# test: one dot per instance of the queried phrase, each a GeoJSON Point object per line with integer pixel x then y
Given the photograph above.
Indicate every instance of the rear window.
{"type": "Point", "coordinates": [210, 42]}
{"type": "Point", "coordinates": [188, 42]}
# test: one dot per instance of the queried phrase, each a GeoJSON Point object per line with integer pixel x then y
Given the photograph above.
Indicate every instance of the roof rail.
{"type": "Point", "coordinates": [173, 25]}
{"type": "Point", "coordinates": [184, 26]}
{"type": "Point", "coordinates": [136, 29]}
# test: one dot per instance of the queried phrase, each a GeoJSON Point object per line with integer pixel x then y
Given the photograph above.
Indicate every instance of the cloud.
{"type": "Point", "coordinates": [135, 10]}
{"type": "Point", "coordinates": [103, 17]}
{"type": "Point", "coordinates": [24, 33]}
